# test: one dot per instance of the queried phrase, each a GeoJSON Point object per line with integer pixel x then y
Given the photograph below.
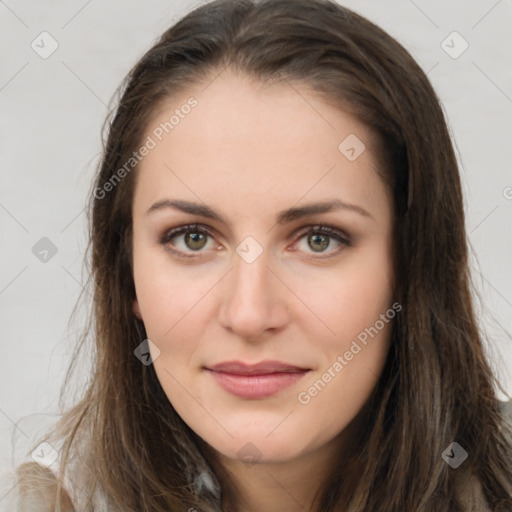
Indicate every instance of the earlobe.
{"type": "Point", "coordinates": [136, 309]}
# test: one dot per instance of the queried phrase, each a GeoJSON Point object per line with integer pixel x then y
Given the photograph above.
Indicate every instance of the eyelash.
{"type": "Point", "coordinates": [332, 232]}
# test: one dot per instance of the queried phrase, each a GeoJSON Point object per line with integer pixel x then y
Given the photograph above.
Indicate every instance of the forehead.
{"type": "Point", "coordinates": [278, 141]}
{"type": "Point", "coordinates": [232, 107]}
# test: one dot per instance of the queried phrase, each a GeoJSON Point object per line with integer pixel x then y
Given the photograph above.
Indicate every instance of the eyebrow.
{"type": "Point", "coordinates": [283, 217]}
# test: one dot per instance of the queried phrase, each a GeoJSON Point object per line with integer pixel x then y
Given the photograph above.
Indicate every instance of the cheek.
{"type": "Point", "coordinates": [350, 298]}
{"type": "Point", "coordinates": [167, 295]}
{"type": "Point", "coordinates": [334, 398]}
{"type": "Point", "coordinates": [353, 358]}
{"type": "Point", "coordinates": [355, 303]}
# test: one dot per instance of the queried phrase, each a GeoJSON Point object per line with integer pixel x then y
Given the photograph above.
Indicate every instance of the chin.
{"type": "Point", "coordinates": [257, 446]}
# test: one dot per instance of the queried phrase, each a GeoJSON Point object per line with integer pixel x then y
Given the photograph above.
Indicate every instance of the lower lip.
{"type": "Point", "coordinates": [256, 386]}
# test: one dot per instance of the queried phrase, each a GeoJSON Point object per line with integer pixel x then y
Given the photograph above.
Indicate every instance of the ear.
{"type": "Point", "coordinates": [136, 309]}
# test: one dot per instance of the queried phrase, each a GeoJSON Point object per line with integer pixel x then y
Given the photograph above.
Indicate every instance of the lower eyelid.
{"type": "Point", "coordinates": [330, 232]}
{"type": "Point", "coordinates": [342, 244]}
{"type": "Point", "coordinates": [167, 239]}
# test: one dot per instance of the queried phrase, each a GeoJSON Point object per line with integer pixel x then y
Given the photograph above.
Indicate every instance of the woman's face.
{"type": "Point", "coordinates": [270, 314]}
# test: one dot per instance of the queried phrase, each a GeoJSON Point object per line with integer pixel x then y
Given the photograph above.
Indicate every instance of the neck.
{"type": "Point", "coordinates": [277, 486]}
{"type": "Point", "coordinates": [293, 485]}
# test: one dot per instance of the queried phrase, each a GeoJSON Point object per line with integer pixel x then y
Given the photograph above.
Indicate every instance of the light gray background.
{"type": "Point", "coordinates": [52, 113]}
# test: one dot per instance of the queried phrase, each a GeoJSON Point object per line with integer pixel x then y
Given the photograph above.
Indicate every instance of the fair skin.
{"type": "Point", "coordinates": [249, 151]}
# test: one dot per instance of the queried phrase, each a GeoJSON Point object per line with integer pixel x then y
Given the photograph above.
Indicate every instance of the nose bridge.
{"type": "Point", "coordinates": [252, 301]}
{"type": "Point", "coordinates": [250, 280]}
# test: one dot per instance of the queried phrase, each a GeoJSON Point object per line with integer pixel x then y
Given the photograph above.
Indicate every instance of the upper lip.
{"type": "Point", "coordinates": [262, 368]}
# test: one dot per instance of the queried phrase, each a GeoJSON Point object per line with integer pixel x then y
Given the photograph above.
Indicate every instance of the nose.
{"type": "Point", "coordinates": [253, 300]}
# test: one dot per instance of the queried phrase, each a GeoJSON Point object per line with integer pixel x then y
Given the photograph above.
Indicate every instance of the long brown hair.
{"type": "Point", "coordinates": [437, 386]}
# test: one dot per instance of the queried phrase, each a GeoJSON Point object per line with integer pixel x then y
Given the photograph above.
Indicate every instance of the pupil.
{"type": "Point", "coordinates": [321, 240]}
{"type": "Point", "coordinates": [195, 240]}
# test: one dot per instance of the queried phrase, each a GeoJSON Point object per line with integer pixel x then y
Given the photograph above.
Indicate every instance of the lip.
{"type": "Point", "coordinates": [253, 381]}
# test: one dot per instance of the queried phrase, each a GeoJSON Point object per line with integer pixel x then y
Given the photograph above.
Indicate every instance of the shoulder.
{"type": "Point", "coordinates": [470, 491]}
{"type": "Point", "coordinates": [9, 497]}
{"type": "Point", "coordinates": [506, 412]}
{"type": "Point", "coordinates": [32, 486]}
{"type": "Point", "coordinates": [29, 488]}
{"type": "Point", "coordinates": [471, 495]}
{"type": "Point", "coordinates": [506, 409]}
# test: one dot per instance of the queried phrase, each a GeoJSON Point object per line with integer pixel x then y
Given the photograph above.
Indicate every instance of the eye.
{"type": "Point", "coordinates": [187, 239]}
{"type": "Point", "coordinates": [184, 241]}
{"type": "Point", "coordinates": [317, 239]}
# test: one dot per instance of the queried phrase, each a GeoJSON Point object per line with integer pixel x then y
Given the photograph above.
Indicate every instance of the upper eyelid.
{"type": "Point", "coordinates": [178, 230]}
{"type": "Point", "coordinates": [208, 229]}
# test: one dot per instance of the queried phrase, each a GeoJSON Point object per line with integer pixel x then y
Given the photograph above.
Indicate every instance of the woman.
{"type": "Point", "coordinates": [283, 315]}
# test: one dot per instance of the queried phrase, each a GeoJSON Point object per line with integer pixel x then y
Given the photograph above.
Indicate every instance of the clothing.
{"type": "Point", "coordinates": [76, 481]}
{"type": "Point", "coordinates": [11, 499]}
